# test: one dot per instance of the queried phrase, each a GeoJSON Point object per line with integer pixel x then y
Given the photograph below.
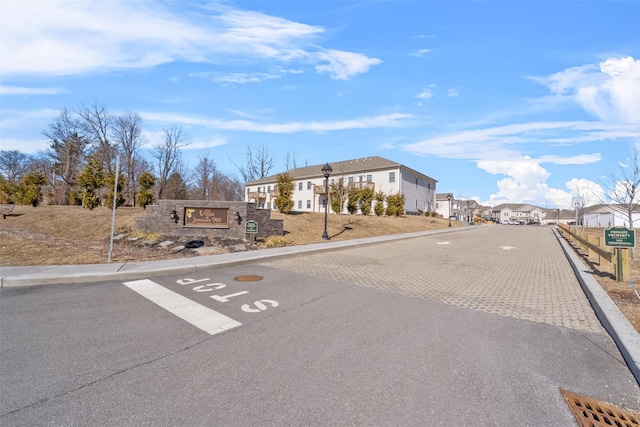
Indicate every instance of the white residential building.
{"type": "Point", "coordinates": [520, 213]}
{"type": "Point", "coordinates": [607, 216]}
{"type": "Point", "coordinates": [444, 204]}
{"type": "Point", "coordinates": [375, 172]}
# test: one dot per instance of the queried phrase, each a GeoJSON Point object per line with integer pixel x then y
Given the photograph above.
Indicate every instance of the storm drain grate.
{"type": "Point", "coordinates": [248, 278]}
{"type": "Point", "coordinates": [595, 413]}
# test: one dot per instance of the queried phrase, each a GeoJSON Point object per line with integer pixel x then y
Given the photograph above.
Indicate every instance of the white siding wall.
{"type": "Point", "coordinates": [405, 183]}
{"type": "Point", "coordinates": [416, 192]}
{"type": "Point", "coordinates": [607, 220]}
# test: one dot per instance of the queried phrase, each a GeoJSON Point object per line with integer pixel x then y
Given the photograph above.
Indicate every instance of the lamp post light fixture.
{"type": "Point", "coordinates": [449, 199]}
{"type": "Point", "coordinates": [174, 216]}
{"type": "Point", "coordinates": [326, 171]}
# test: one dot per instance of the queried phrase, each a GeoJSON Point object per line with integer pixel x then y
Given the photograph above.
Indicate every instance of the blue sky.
{"type": "Point", "coordinates": [505, 101]}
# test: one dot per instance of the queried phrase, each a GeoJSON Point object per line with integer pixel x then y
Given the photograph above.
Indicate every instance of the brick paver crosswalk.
{"type": "Point", "coordinates": [516, 271]}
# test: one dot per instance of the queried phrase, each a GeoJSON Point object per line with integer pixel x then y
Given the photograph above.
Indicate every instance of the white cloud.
{"type": "Point", "coordinates": [507, 142]}
{"type": "Point", "coordinates": [425, 94]}
{"type": "Point", "coordinates": [28, 146]}
{"type": "Point", "coordinates": [609, 90]}
{"type": "Point", "coordinates": [20, 90]}
{"type": "Point", "coordinates": [524, 182]}
{"type": "Point", "coordinates": [589, 191]}
{"type": "Point", "coordinates": [420, 53]}
{"type": "Point", "coordinates": [343, 65]}
{"type": "Point", "coordinates": [20, 120]}
{"type": "Point", "coordinates": [526, 172]}
{"type": "Point", "coordinates": [380, 121]}
{"type": "Point", "coordinates": [59, 37]}
{"type": "Point", "coordinates": [209, 143]}
{"type": "Point", "coordinates": [236, 78]}
{"type": "Point", "coordinates": [452, 93]}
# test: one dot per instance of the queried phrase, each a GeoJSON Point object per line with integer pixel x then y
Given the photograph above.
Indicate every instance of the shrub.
{"type": "Point", "coordinates": [284, 201]}
{"type": "Point", "coordinates": [275, 242]}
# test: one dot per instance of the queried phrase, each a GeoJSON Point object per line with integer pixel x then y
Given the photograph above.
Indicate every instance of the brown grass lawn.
{"type": "Point", "coordinates": [63, 235]}
{"type": "Point", "coordinates": [54, 235]}
{"type": "Point", "coordinates": [621, 292]}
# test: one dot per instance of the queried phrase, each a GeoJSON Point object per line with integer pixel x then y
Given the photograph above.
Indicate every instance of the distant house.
{"type": "Point", "coordinates": [444, 204]}
{"type": "Point", "coordinates": [465, 210]}
{"type": "Point", "coordinates": [559, 216]}
{"type": "Point", "coordinates": [510, 213]}
{"type": "Point", "coordinates": [376, 173]}
{"type": "Point", "coordinates": [606, 216]}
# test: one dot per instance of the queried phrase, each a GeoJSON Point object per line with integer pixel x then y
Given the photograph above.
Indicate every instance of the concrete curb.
{"type": "Point", "coordinates": [616, 324]}
{"type": "Point", "coordinates": [70, 274]}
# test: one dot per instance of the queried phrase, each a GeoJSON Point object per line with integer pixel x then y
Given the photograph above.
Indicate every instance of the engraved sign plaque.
{"type": "Point", "coordinates": [206, 217]}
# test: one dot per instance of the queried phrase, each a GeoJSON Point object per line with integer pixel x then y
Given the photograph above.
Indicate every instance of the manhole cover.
{"type": "Point", "coordinates": [595, 413]}
{"type": "Point", "coordinates": [248, 278]}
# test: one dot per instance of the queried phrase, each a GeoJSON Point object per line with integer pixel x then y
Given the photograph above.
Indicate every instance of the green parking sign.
{"type": "Point", "coordinates": [251, 227]}
{"type": "Point", "coordinates": [620, 237]}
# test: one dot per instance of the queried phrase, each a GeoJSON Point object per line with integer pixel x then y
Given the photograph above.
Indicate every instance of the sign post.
{"type": "Point", "coordinates": [251, 228]}
{"type": "Point", "coordinates": [576, 202]}
{"type": "Point", "coordinates": [622, 239]}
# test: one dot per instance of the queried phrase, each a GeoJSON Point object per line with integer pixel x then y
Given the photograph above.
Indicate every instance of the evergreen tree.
{"type": "Point", "coordinates": [353, 197]}
{"type": "Point", "coordinates": [366, 199]}
{"type": "Point", "coordinates": [284, 201]}
{"type": "Point", "coordinates": [146, 182]}
{"type": "Point", "coordinates": [90, 180]}
{"type": "Point", "coordinates": [338, 192]}
{"type": "Point", "coordinates": [176, 188]}
{"type": "Point", "coordinates": [378, 209]}
{"type": "Point", "coordinates": [395, 204]}
{"type": "Point", "coordinates": [8, 191]}
{"type": "Point", "coordinates": [31, 188]}
{"type": "Point", "coordinates": [122, 183]}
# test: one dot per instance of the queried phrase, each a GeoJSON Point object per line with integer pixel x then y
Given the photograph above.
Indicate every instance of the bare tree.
{"type": "Point", "coordinates": [167, 155]}
{"type": "Point", "coordinates": [624, 188]}
{"type": "Point", "coordinates": [127, 133]}
{"type": "Point", "coordinates": [67, 150]}
{"type": "Point", "coordinates": [96, 123]}
{"type": "Point", "coordinates": [258, 164]}
{"type": "Point", "coordinates": [202, 177]}
{"type": "Point", "coordinates": [228, 188]}
{"type": "Point", "coordinates": [291, 161]}
{"type": "Point", "coordinates": [14, 164]}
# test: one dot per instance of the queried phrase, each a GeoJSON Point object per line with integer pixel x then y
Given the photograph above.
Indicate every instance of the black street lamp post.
{"type": "Point", "coordinates": [449, 199]}
{"type": "Point", "coordinates": [326, 171]}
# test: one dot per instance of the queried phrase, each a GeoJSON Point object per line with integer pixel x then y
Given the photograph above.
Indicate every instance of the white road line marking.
{"type": "Point", "coordinates": [198, 315]}
{"type": "Point", "coordinates": [508, 248]}
{"type": "Point", "coordinates": [442, 243]}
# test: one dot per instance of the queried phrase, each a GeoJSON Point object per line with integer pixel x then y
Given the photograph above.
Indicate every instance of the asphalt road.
{"type": "Point", "coordinates": [471, 329]}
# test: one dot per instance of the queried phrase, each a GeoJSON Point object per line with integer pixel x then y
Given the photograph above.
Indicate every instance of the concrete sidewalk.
{"type": "Point", "coordinates": [616, 324]}
{"type": "Point", "coordinates": [67, 274]}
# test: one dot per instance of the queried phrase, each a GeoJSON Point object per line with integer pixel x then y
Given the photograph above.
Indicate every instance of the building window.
{"type": "Point", "coordinates": [370, 178]}
{"type": "Point", "coordinates": [308, 204]}
{"type": "Point", "coordinates": [416, 182]}
{"type": "Point", "coordinates": [308, 185]}
{"type": "Point", "coordinates": [269, 188]}
{"type": "Point", "coordinates": [392, 177]}
{"type": "Point", "coordinates": [300, 186]}
{"type": "Point", "coordinates": [350, 179]}
{"type": "Point", "coordinates": [428, 186]}
{"type": "Point", "coordinates": [300, 203]}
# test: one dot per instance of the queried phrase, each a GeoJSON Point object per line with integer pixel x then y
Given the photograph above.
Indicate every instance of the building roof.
{"type": "Point", "coordinates": [517, 207]}
{"type": "Point", "coordinates": [359, 165]}
{"type": "Point", "coordinates": [444, 196]}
